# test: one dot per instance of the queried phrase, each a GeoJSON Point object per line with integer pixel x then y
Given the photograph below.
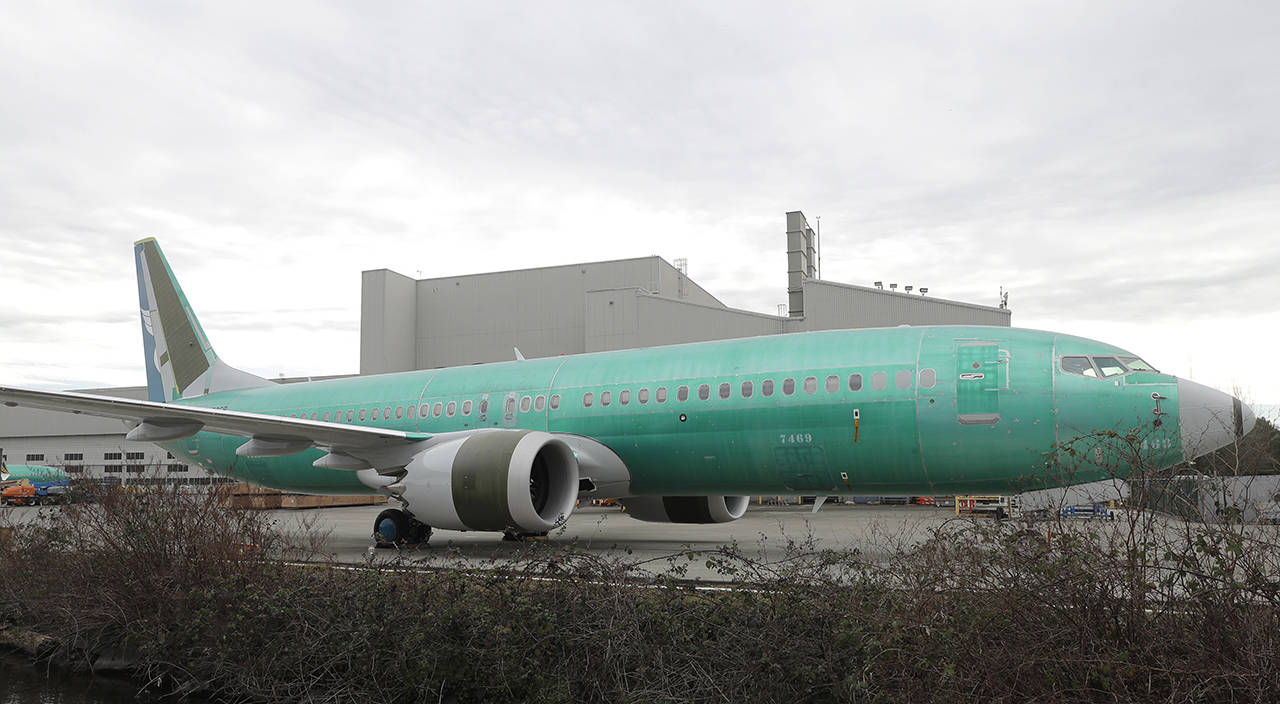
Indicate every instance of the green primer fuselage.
{"type": "Point", "coordinates": [945, 410]}
{"type": "Point", "coordinates": [33, 473]}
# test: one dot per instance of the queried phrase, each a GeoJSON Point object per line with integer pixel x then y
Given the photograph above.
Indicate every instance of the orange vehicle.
{"type": "Point", "coordinates": [18, 495]}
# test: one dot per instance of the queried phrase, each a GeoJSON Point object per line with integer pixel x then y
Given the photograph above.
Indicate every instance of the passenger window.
{"type": "Point", "coordinates": [624, 396]}
{"type": "Point", "coordinates": [450, 409]}
{"type": "Point", "coordinates": [725, 389]}
{"type": "Point", "coordinates": [746, 389]}
{"type": "Point", "coordinates": [682, 394]}
{"type": "Point", "coordinates": [525, 404]}
{"type": "Point", "coordinates": [399, 412]}
{"type": "Point", "coordinates": [855, 382]}
{"type": "Point", "coordinates": [928, 378]}
{"type": "Point", "coordinates": [879, 381]}
{"type": "Point", "coordinates": [509, 405]}
{"type": "Point", "coordinates": [1109, 366]}
{"type": "Point", "coordinates": [372, 417]}
{"type": "Point", "coordinates": [350, 414]}
{"type": "Point", "coordinates": [643, 396]}
{"type": "Point", "coordinates": [386, 413]}
{"type": "Point", "coordinates": [411, 410]}
{"type": "Point", "coordinates": [555, 402]}
{"type": "Point", "coordinates": [661, 394]}
{"type": "Point", "coordinates": [788, 387]}
{"type": "Point", "coordinates": [810, 384]}
{"type": "Point", "coordinates": [833, 384]}
{"type": "Point", "coordinates": [539, 403]}
{"type": "Point", "coordinates": [466, 408]}
{"type": "Point", "coordinates": [437, 409]}
{"type": "Point", "coordinates": [484, 406]}
{"type": "Point", "coordinates": [606, 397]}
{"type": "Point", "coordinates": [704, 392]}
{"type": "Point", "coordinates": [766, 387]}
{"type": "Point", "coordinates": [1078, 365]}
{"type": "Point", "coordinates": [362, 412]}
{"type": "Point", "coordinates": [587, 398]}
{"type": "Point", "coordinates": [326, 417]}
{"type": "Point", "coordinates": [903, 379]}
{"type": "Point", "coordinates": [425, 410]}
{"type": "Point", "coordinates": [315, 415]}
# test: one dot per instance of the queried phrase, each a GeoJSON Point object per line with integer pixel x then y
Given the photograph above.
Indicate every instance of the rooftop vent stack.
{"type": "Point", "coordinates": [802, 260]}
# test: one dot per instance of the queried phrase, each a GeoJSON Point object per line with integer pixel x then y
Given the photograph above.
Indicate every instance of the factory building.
{"type": "Point", "coordinates": [408, 324]}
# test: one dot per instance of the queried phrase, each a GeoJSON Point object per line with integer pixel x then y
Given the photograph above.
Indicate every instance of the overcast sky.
{"type": "Point", "coordinates": [1116, 165]}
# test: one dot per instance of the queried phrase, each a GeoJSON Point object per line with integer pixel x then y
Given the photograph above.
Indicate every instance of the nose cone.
{"type": "Point", "coordinates": [1209, 419]}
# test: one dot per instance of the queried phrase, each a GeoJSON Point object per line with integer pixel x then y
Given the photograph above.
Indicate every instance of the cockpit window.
{"type": "Point", "coordinates": [1109, 366]}
{"type": "Point", "coordinates": [1104, 366]}
{"type": "Point", "coordinates": [1078, 365]}
{"type": "Point", "coordinates": [1137, 364]}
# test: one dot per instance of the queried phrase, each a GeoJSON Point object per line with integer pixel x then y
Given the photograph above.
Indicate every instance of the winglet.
{"type": "Point", "coordinates": [519, 357]}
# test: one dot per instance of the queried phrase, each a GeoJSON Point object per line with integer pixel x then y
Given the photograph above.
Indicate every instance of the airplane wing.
{"type": "Point", "coordinates": [350, 446]}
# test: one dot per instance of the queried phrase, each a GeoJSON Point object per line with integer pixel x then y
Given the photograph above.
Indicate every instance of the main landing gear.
{"type": "Point", "coordinates": [393, 528]}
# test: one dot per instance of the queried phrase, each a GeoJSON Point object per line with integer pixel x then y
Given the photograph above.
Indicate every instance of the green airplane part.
{"type": "Point", "coordinates": [31, 473]}
{"type": "Point", "coordinates": [681, 433]}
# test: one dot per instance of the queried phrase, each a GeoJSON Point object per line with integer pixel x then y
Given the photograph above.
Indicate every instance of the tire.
{"type": "Point", "coordinates": [391, 528]}
{"type": "Point", "coordinates": [419, 533]}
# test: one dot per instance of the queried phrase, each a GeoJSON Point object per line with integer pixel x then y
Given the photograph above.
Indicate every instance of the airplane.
{"type": "Point", "coordinates": [680, 434]}
{"type": "Point", "coordinates": [29, 472]}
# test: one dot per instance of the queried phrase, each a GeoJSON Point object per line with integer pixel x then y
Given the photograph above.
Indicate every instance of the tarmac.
{"type": "Point", "coordinates": [764, 533]}
{"type": "Point", "coordinates": [343, 535]}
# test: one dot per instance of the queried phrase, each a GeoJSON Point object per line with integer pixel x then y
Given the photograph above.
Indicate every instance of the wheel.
{"type": "Point", "coordinates": [391, 528]}
{"type": "Point", "coordinates": [394, 528]}
{"type": "Point", "coordinates": [419, 533]}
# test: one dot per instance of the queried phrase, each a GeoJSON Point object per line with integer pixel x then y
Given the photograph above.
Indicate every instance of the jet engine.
{"type": "Point", "coordinates": [493, 480]}
{"type": "Point", "coordinates": [686, 509]}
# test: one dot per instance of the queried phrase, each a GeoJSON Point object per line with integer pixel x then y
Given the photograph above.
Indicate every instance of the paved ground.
{"type": "Point", "coordinates": [764, 532]}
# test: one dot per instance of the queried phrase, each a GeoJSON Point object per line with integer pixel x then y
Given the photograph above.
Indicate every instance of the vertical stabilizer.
{"type": "Point", "coordinates": [179, 360]}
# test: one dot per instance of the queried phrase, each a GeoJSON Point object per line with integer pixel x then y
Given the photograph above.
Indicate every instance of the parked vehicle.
{"type": "Point", "coordinates": [26, 493]}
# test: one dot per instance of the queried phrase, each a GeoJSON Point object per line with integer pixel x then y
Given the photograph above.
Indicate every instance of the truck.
{"type": "Point", "coordinates": [28, 493]}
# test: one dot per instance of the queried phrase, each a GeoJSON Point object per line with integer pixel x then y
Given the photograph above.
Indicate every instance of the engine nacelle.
{"type": "Point", "coordinates": [686, 509]}
{"type": "Point", "coordinates": [493, 480]}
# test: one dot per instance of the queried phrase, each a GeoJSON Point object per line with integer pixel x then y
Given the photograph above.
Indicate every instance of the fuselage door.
{"type": "Point", "coordinates": [982, 372]}
{"type": "Point", "coordinates": [510, 415]}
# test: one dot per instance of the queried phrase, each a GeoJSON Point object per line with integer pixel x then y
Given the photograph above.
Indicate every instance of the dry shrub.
{"type": "Point", "coordinates": [1142, 609]}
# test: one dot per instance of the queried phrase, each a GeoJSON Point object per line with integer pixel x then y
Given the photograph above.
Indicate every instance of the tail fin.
{"type": "Point", "coordinates": [180, 361]}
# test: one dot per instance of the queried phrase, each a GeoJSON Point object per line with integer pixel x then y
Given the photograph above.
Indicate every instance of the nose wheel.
{"type": "Point", "coordinates": [394, 528]}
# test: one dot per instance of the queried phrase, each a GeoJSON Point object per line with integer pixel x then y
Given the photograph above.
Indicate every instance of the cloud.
{"type": "Point", "coordinates": [1104, 163]}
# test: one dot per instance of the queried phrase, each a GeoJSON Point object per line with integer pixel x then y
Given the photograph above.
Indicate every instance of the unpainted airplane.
{"type": "Point", "coordinates": [680, 434]}
{"type": "Point", "coordinates": [29, 472]}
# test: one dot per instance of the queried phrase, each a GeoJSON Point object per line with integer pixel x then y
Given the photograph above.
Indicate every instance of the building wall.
{"type": "Point", "coordinates": [388, 322]}
{"type": "Point", "coordinates": [630, 318]}
{"type": "Point", "coordinates": [477, 318]}
{"type": "Point", "coordinates": [598, 306]}
{"type": "Point", "coordinates": [830, 306]}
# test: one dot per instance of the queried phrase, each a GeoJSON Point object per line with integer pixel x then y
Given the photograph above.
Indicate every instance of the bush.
{"type": "Point", "coordinates": [1143, 609]}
